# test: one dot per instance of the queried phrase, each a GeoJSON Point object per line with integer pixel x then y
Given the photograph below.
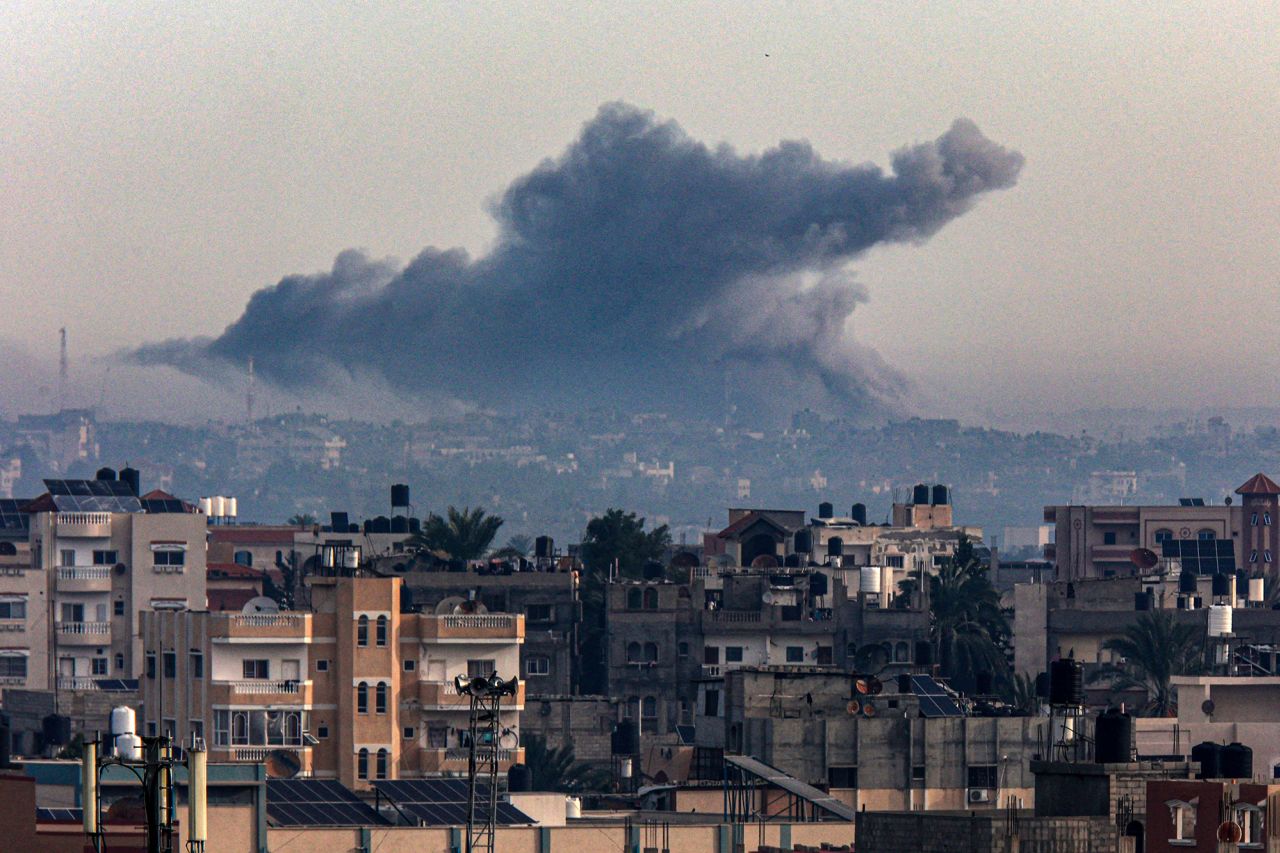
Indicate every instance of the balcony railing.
{"type": "Point", "coordinates": [480, 621]}
{"type": "Point", "coordinates": [261, 753]}
{"type": "Point", "coordinates": [732, 615]}
{"type": "Point", "coordinates": [259, 686]}
{"type": "Point", "coordinates": [84, 628]}
{"type": "Point", "coordinates": [268, 620]}
{"type": "Point", "coordinates": [84, 573]}
{"type": "Point", "coordinates": [87, 524]}
{"type": "Point", "coordinates": [711, 670]}
{"type": "Point", "coordinates": [66, 682]}
{"type": "Point", "coordinates": [464, 753]}
{"type": "Point", "coordinates": [12, 680]}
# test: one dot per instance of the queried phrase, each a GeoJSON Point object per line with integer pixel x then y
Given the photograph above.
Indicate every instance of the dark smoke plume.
{"type": "Point", "coordinates": [639, 268]}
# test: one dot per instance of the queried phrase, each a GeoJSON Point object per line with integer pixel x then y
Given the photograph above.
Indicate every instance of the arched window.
{"type": "Point", "coordinates": [244, 558]}
{"type": "Point", "coordinates": [633, 652]}
{"type": "Point", "coordinates": [629, 707]}
{"type": "Point", "coordinates": [381, 699]}
{"type": "Point", "coordinates": [1163, 535]}
{"type": "Point", "coordinates": [362, 764]}
{"type": "Point", "coordinates": [1206, 535]}
{"type": "Point", "coordinates": [239, 728]}
{"type": "Point", "coordinates": [119, 661]}
{"type": "Point", "coordinates": [683, 649]}
{"type": "Point", "coordinates": [362, 698]}
{"type": "Point", "coordinates": [381, 767]}
{"type": "Point", "coordinates": [651, 652]}
{"type": "Point", "coordinates": [362, 631]}
{"type": "Point", "coordinates": [650, 599]}
{"type": "Point", "coordinates": [901, 653]}
{"type": "Point", "coordinates": [381, 633]}
{"type": "Point", "coordinates": [293, 728]}
{"type": "Point", "coordinates": [634, 599]}
{"type": "Point", "coordinates": [649, 708]}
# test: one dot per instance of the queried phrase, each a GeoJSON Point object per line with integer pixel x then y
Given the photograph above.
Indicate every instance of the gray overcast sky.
{"type": "Point", "coordinates": [163, 161]}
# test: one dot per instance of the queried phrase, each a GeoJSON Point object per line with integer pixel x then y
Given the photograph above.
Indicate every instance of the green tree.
{"type": "Point", "coordinates": [517, 546]}
{"type": "Point", "coordinates": [559, 770]}
{"type": "Point", "coordinates": [464, 535]}
{"type": "Point", "coordinates": [302, 519]}
{"type": "Point", "coordinates": [1153, 650]}
{"type": "Point", "coordinates": [1021, 693]}
{"type": "Point", "coordinates": [968, 627]}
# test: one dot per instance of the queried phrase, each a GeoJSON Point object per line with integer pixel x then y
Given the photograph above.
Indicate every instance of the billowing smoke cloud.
{"type": "Point", "coordinates": [639, 268]}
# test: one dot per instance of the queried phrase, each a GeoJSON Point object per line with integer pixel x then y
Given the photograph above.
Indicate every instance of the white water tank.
{"type": "Point", "coordinates": [887, 586]}
{"type": "Point", "coordinates": [123, 720]}
{"type": "Point", "coordinates": [206, 506]}
{"type": "Point", "coordinates": [219, 506]}
{"type": "Point", "coordinates": [869, 579]}
{"type": "Point", "coordinates": [230, 507]}
{"type": "Point", "coordinates": [1219, 620]}
{"type": "Point", "coordinates": [572, 807]}
{"type": "Point", "coordinates": [129, 747]}
{"type": "Point", "coordinates": [1257, 590]}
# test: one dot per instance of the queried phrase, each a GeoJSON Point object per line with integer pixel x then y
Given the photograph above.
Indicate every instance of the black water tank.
{"type": "Point", "coordinates": [1042, 685]}
{"type": "Point", "coordinates": [792, 561]}
{"type": "Point", "coordinates": [399, 524]}
{"type": "Point", "coordinates": [1066, 682]}
{"type": "Point", "coordinates": [1113, 738]}
{"type": "Point", "coordinates": [835, 547]}
{"type": "Point", "coordinates": [924, 653]}
{"type": "Point", "coordinates": [920, 494]}
{"type": "Point", "coordinates": [415, 525]}
{"type": "Point", "coordinates": [105, 474]}
{"type": "Point", "coordinates": [1187, 583]}
{"type": "Point", "coordinates": [399, 495]}
{"type": "Point", "coordinates": [382, 524]}
{"type": "Point", "coordinates": [353, 528]}
{"type": "Point", "coordinates": [653, 570]}
{"type": "Point", "coordinates": [803, 541]}
{"type": "Point", "coordinates": [904, 682]}
{"type": "Point", "coordinates": [859, 514]}
{"type": "Point", "coordinates": [826, 510]}
{"type": "Point", "coordinates": [1209, 755]}
{"type": "Point", "coordinates": [544, 547]}
{"type": "Point", "coordinates": [133, 478]}
{"type": "Point", "coordinates": [1221, 584]}
{"type": "Point", "coordinates": [626, 738]}
{"type": "Point", "coordinates": [984, 682]}
{"type": "Point", "coordinates": [1142, 600]}
{"type": "Point", "coordinates": [338, 522]}
{"type": "Point", "coordinates": [941, 495]}
{"type": "Point", "coordinates": [1237, 761]}
{"type": "Point", "coordinates": [519, 778]}
{"type": "Point", "coordinates": [817, 583]}
{"type": "Point", "coordinates": [56, 729]}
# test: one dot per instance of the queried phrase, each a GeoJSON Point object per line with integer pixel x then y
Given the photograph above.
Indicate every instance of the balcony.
{"type": "Point", "coordinates": [277, 627]}
{"type": "Point", "coordinates": [472, 628]}
{"type": "Point", "coordinates": [84, 578]}
{"type": "Point", "coordinates": [263, 691]}
{"type": "Point", "coordinates": [84, 633]}
{"type": "Point", "coordinates": [711, 670]}
{"type": "Point", "coordinates": [13, 680]}
{"type": "Point", "coordinates": [454, 759]}
{"type": "Point", "coordinates": [84, 525]}
{"type": "Point", "coordinates": [443, 696]}
{"type": "Point", "coordinates": [258, 754]}
{"type": "Point", "coordinates": [66, 682]}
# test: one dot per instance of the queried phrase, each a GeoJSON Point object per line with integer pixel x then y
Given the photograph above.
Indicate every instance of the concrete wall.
{"type": "Point", "coordinates": [920, 832]}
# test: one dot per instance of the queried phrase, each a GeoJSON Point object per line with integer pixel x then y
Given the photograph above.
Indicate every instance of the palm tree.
{"type": "Point", "coordinates": [968, 627]}
{"type": "Point", "coordinates": [517, 546]}
{"type": "Point", "coordinates": [302, 519]}
{"type": "Point", "coordinates": [465, 535]}
{"type": "Point", "coordinates": [1152, 651]}
{"type": "Point", "coordinates": [1021, 693]}
{"type": "Point", "coordinates": [559, 770]}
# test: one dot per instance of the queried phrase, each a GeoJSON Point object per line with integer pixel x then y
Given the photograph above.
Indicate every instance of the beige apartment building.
{"type": "Point", "coordinates": [353, 689]}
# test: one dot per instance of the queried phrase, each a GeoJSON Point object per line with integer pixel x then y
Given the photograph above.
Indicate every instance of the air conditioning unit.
{"type": "Point", "coordinates": [979, 795]}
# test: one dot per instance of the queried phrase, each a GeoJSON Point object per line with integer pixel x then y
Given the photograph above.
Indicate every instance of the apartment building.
{"type": "Point", "coordinates": [1097, 541]}
{"type": "Point", "coordinates": [354, 689]}
{"type": "Point", "coordinates": [24, 628]}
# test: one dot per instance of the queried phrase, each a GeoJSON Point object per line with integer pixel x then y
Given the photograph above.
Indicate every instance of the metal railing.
{"type": "Point", "coordinates": [732, 615]}
{"type": "Point", "coordinates": [486, 620]}
{"type": "Point", "coordinates": [84, 518]}
{"type": "Point", "coordinates": [464, 754]}
{"type": "Point", "coordinates": [84, 573]}
{"type": "Point", "coordinates": [84, 627]}
{"type": "Point", "coordinates": [267, 620]}
{"type": "Point", "coordinates": [262, 753]}
{"type": "Point", "coordinates": [256, 685]}
{"type": "Point", "coordinates": [66, 682]}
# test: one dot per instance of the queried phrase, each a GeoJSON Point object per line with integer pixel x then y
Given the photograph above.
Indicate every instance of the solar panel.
{"type": "Point", "coordinates": [59, 815]}
{"type": "Point", "coordinates": [93, 496]}
{"type": "Point", "coordinates": [12, 519]}
{"type": "Point", "coordinates": [934, 700]}
{"type": "Point", "coordinates": [443, 802]}
{"type": "Point", "coordinates": [316, 802]}
{"type": "Point", "coordinates": [1201, 556]}
{"type": "Point", "coordinates": [158, 505]}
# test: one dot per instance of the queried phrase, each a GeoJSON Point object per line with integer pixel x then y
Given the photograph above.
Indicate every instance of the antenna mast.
{"type": "Point", "coordinates": [248, 396]}
{"type": "Point", "coordinates": [62, 368]}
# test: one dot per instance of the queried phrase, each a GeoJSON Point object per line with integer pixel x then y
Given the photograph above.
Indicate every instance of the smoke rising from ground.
{"type": "Point", "coordinates": [639, 268]}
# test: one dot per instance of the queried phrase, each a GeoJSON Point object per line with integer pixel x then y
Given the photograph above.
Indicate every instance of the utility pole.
{"type": "Point", "coordinates": [159, 792]}
{"type": "Point", "coordinates": [485, 730]}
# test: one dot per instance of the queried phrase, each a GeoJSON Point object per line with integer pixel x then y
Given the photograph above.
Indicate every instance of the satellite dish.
{"type": "Point", "coordinates": [282, 764]}
{"type": "Point", "coordinates": [871, 660]}
{"type": "Point", "coordinates": [448, 606]}
{"type": "Point", "coordinates": [868, 710]}
{"type": "Point", "coordinates": [1207, 707]}
{"type": "Point", "coordinates": [853, 708]}
{"type": "Point", "coordinates": [1144, 558]}
{"type": "Point", "coordinates": [261, 604]}
{"type": "Point", "coordinates": [767, 598]}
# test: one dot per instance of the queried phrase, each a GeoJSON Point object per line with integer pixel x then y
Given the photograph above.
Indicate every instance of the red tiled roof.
{"type": "Point", "coordinates": [746, 521]}
{"type": "Point", "coordinates": [230, 599]}
{"type": "Point", "coordinates": [228, 571]}
{"type": "Point", "coordinates": [44, 503]}
{"type": "Point", "coordinates": [1259, 484]}
{"type": "Point", "coordinates": [253, 535]}
{"type": "Point", "coordinates": [158, 495]}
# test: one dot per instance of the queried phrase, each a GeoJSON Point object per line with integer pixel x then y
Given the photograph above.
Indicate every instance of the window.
{"type": "Point", "coordinates": [322, 732]}
{"type": "Point", "coordinates": [380, 698]}
{"type": "Point", "coordinates": [1253, 520]}
{"type": "Point", "coordinates": [243, 558]}
{"type": "Point", "coordinates": [169, 558]}
{"type": "Point", "coordinates": [1163, 535]}
{"type": "Point", "coordinates": [538, 612]}
{"type": "Point", "coordinates": [711, 655]}
{"type": "Point", "coordinates": [894, 561]}
{"type": "Point", "coordinates": [118, 607]}
{"type": "Point", "coordinates": [822, 656]}
{"type": "Point", "coordinates": [221, 728]}
{"type": "Point", "coordinates": [119, 661]}
{"type": "Point", "coordinates": [322, 665]}
{"type": "Point", "coordinates": [410, 664]}
{"type": "Point", "coordinates": [1109, 537]}
{"type": "Point", "coordinates": [733, 654]}
{"type": "Point", "coordinates": [407, 733]}
{"type": "Point", "coordinates": [649, 708]}
{"type": "Point", "coordinates": [171, 665]}
{"type": "Point", "coordinates": [634, 652]}
{"type": "Point", "coordinates": [795, 654]}
{"type": "Point", "coordinates": [98, 666]}
{"type": "Point", "coordinates": [635, 599]}
{"type": "Point", "coordinates": [651, 652]}
{"type": "Point", "coordinates": [479, 667]}
{"type": "Point", "coordinates": [1266, 519]}
{"type": "Point", "coordinates": [104, 558]}
{"type": "Point", "coordinates": [682, 649]}
{"type": "Point", "coordinates": [151, 664]}
{"type": "Point", "coordinates": [1206, 535]}
{"type": "Point", "coordinates": [169, 726]}
{"type": "Point", "coordinates": [982, 776]}
{"type": "Point", "coordinates": [917, 773]}
{"type": "Point", "coordinates": [257, 669]}
{"type": "Point", "coordinates": [362, 698]}
{"type": "Point", "coordinates": [1253, 556]}
{"type": "Point", "coordinates": [67, 557]}
{"type": "Point", "coordinates": [197, 663]}
{"type": "Point", "coordinates": [362, 764]}
{"type": "Point", "coordinates": [381, 768]}
{"type": "Point", "coordinates": [362, 631]}
{"type": "Point", "coordinates": [13, 666]}
{"type": "Point", "coordinates": [686, 713]}
{"type": "Point", "coordinates": [711, 704]}
{"type": "Point", "coordinates": [196, 728]}
{"type": "Point", "coordinates": [14, 608]}
{"type": "Point", "coordinates": [1252, 825]}
{"type": "Point", "coordinates": [151, 728]}
{"type": "Point", "coordinates": [437, 736]}
{"type": "Point", "coordinates": [629, 707]}
{"type": "Point", "coordinates": [901, 653]}
{"type": "Point", "coordinates": [537, 666]}
{"type": "Point", "coordinates": [1266, 556]}
{"type": "Point", "coordinates": [381, 632]}
{"type": "Point", "coordinates": [1183, 817]}
{"type": "Point", "coordinates": [650, 599]}
{"type": "Point", "coordinates": [842, 777]}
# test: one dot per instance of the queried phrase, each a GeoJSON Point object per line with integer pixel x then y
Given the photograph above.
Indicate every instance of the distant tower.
{"type": "Point", "coordinates": [248, 395]}
{"type": "Point", "coordinates": [62, 368]}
